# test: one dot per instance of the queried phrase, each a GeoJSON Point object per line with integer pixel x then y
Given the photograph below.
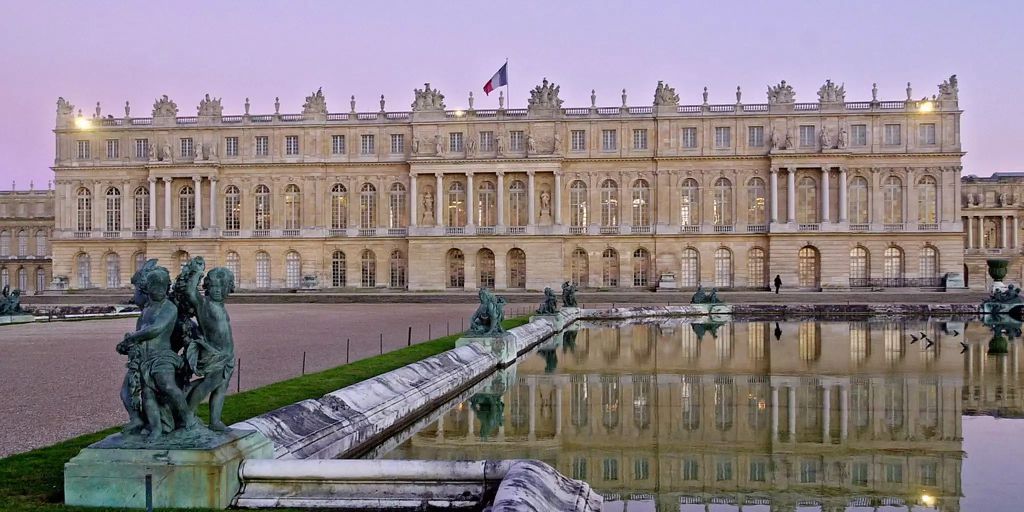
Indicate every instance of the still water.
{"type": "Point", "coordinates": [879, 413]}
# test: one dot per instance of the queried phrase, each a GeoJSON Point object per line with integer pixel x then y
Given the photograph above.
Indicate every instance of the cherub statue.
{"type": "Point", "coordinates": [550, 304]}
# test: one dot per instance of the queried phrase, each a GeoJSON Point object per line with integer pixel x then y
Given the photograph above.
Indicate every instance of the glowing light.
{"type": "Point", "coordinates": [925, 106]}
{"type": "Point", "coordinates": [82, 123]}
{"type": "Point", "coordinates": [459, 113]}
{"type": "Point", "coordinates": [928, 501]}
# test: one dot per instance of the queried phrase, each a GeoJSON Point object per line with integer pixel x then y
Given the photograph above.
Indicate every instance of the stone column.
{"type": "Point", "coordinates": [844, 205]}
{"type": "Point", "coordinates": [414, 200]}
{"type": "Point", "coordinates": [826, 415]}
{"type": "Point", "coordinates": [1002, 221]}
{"type": "Point", "coordinates": [532, 386]}
{"type": "Point", "coordinates": [558, 197]}
{"type": "Point", "coordinates": [558, 407]}
{"type": "Point", "coordinates": [791, 195]}
{"type": "Point", "coordinates": [773, 194]}
{"type": "Point", "coordinates": [213, 202]}
{"type": "Point", "coordinates": [152, 203]}
{"type": "Point", "coordinates": [825, 196]}
{"type": "Point", "coordinates": [531, 200]}
{"type": "Point", "coordinates": [775, 410]}
{"type": "Point", "coordinates": [792, 413]}
{"type": "Point", "coordinates": [198, 182]}
{"type": "Point", "coordinates": [167, 202]}
{"type": "Point", "coordinates": [438, 198]}
{"type": "Point", "coordinates": [470, 205]}
{"type": "Point", "coordinates": [844, 410]}
{"type": "Point", "coordinates": [501, 200]}
{"type": "Point", "coordinates": [1015, 231]}
{"type": "Point", "coordinates": [970, 232]}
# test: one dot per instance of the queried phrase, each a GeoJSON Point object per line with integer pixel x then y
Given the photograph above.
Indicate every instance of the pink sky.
{"type": "Point", "coordinates": [136, 51]}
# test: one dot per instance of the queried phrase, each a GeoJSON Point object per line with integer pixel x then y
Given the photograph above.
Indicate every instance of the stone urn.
{"type": "Point", "coordinates": [997, 268]}
{"type": "Point", "coordinates": [998, 344]}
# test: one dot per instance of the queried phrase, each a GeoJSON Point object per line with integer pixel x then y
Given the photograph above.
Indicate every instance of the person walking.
{"type": "Point", "coordinates": [778, 282]}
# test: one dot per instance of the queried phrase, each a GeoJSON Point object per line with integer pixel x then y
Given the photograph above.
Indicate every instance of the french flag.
{"type": "Point", "coordinates": [499, 79]}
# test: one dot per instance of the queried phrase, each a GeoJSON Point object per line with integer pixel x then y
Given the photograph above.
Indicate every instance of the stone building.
{"type": "Point", "coordinates": [26, 225]}
{"type": "Point", "coordinates": [990, 208]}
{"type": "Point", "coordinates": [827, 194]}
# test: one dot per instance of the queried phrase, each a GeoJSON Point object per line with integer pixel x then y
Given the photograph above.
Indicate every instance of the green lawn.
{"type": "Point", "coordinates": [34, 481]}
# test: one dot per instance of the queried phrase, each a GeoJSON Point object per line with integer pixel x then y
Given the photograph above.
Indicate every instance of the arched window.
{"type": "Point", "coordinates": [809, 268]}
{"type": "Point", "coordinates": [893, 260]}
{"type": "Point", "coordinates": [456, 204]}
{"type": "Point", "coordinates": [398, 214]}
{"type": "Point", "coordinates": [486, 206]}
{"type": "Point", "coordinates": [398, 269]}
{"type": "Point", "coordinates": [234, 264]}
{"type": "Point", "coordinates": [609, 203]}
{"type": "Point", "coordinates": [339, 206]}
{"type": "Point", "coordinates": [22, 243]}
{"type": "Point", "coordinates": [368, 206]}
{"type": "Point", "coordinates": [517, 204]}
{"type": "Point", "coordinates": [40, 279]}
{"type": "Point", "coordinates": [725, 405]}
{"type": "Point", "coordinates": [485, 268]}
{"type": "Point", "coordinates": [723, 268]}
{"type": "Point", "coordinates": [809, 340]}
{"type": "Point", "coordinates": [456, 264]}
{"type": "Point", "coordinates": [807, 198]}
{"type": "Point", "coordinates": [641, 267]}
{"type": "Point", "coordinates": [83, 269]}
{"type": "Point", "coordinates": [23, 279]}
{"type": "Point", "coordinates": [292, 269]}
{"type": "Point", "coordinates": [578, 204]}
{"type": "Point", "coordinates": [757, 270]}
{"type": "Point", "coordinates": [580, 271]}
{"type": "Point", "coordinates": [690, 397]}
{"type": "Point", "coordinates": [113, 204]}
{"type": "Point", "coordinates": [929, 262]}
{"type": "Point", "coordinates": [113, 262]}
{"type": "Point", "coordinates": [368, 269]}
{"type": "Point", "coordinates": [84, 210]}
{"type": "Point", "coordinates": [42, 244]}
{"type": "Point", "coordinates": [262, 270]}
{"type": "Point", "coordinates": [610, 268]}
{"type": "Point", "coordinates": [690, 275]}
{"type": "Point", "coordinates": [641, 203]}
{"type": "Point", "coordinates": [756, 195]}
{"type": "Point", "coordinates": [516, 264]}
{"type": "Point", "coordinates": [611, 403]}
{"type": "Point", "coordinates": [138, 260]}
{"type": "Point", "coordinates": [5, 243]}
{"type": "Point", "coordinates": [722, 205]}
{"type": "Point", "coordinates": [338, 271]}
{"type": "Point", "coordinates": [232, 208]}
{"type": "Point", "coordinates": [579, 401]}
{"type": "Point", "coordinates": [859, 206]}
{"type": "Point", "coordinates": [689, 203]}
{"type": "Point", "coordinates": [142, 212]}
{"type": "Point", "coordinates": [927, 205]}
{"type": "Point", "coordinates": [860, 266]}
{"type": "Point", "coordinates": [292, 207]}
{"type": "Point", "coordinates": [186, 208]}
{"type": "Point", "coordinates": [892, 200]}
{"type": "Point", "coordinates": [261, 207]}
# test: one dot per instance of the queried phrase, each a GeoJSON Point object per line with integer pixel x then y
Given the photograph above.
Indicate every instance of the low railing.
{"type": "Point", "coordinates": [261, 119]}
{"type": "Point", "coordinates": [809, 227]}
{"type": "Point", "coordinates": [756, 107]}
{"type": "Point", "coordinates": [83, 234]}
{"type": "Point", "coordinates": [896, 282]}
{"type": "Point", "coordinates": [454, 230]}
{"type": "Point", "coordinates": [290, 232]}
{"type": "Point", "coordinates": [688, 109]}
{"type": "Point", "coordinates": [721, 108]}
{"type": "Point", "coordinates": [181, 233]}
{"type": "Point", "coordinates": [517, 230]}
{"type": "Point", "coordinates": [609, 230]}
{"type": "Point", "coordinates": [757, 228]}
{"type": "Point", "coordinates": [892, 227]}
{"type": "Point", "coordinates": [640, 230]}
{"type": "Point", "coordinates": [367, 231]}
{"type": "Point", "coordinates": [860, 227]}
{"type": "Point", "coordinates": [261, 233]}
{"type": "Point", "coordinates": [577, 230]}
{"type": "Point", "coordinates": [187, 120]}
{"type": "Point", "coordinates": [229, 232]}
{"type": "Point", "coordinates": [892, 105]}
{"type": "Point", "coordinates": [641, 110]}
{"type": "Point", "coordinates": [485, 230]}
{"type": "Point", "coordinates": [576, 111]}
{"type": "Point", "coordinates": [231, 119]}
{"type": "Point", "coordinates": [111, 234]}
{"type": "Point", "coordinates": [140, 234]}
{"type": "Point", "coordinates": [723, 229]}
{"type": "Point", "coordinates": [397, 231]}
{"type": "Point", "coordinates": [291, 118]}
{"type": "Point", "coordinates": [689, 229]}
{"type": "Point", "coordinates": [928, 226]}
{"type": "Point", "coordinates": [806, 107]}
{"type": "Point", "coordinates": [337, 116]}
{"type": "Point", "coordinates": [515, 112]}
{"type": "Point", "coordinates": [337, 232]}
{"type": "Point", "coordinates": [366, 116]}
{"type": "Point", "coordinates": [142, 121]}
{"type": "Point", "coordinates": [607, 111]}
{"type": "Point", "coordinates": [858, 105]}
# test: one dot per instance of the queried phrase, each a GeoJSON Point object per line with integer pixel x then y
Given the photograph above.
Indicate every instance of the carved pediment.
{"type": "Point", "coordinates": [164, 107]}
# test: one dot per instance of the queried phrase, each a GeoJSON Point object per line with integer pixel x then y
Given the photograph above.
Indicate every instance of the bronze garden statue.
{"type": "Point", "coordinates": [568, 295]}
{"type": "Point", "coordinates": [487, 318]}
{"type": "Point", "coordinates": [10, 303]}
{"type": "Point", "coordinates": [550, 304]}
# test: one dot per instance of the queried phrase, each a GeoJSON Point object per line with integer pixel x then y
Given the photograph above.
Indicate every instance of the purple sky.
{"type": "Point", "coordinates": [116, 51]}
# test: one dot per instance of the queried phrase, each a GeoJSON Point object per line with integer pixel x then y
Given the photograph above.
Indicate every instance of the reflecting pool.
{"type": "Point", "coordinates": [805, 414]}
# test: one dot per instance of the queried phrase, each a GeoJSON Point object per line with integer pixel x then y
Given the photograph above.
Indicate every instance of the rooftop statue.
{"type": "Point", "coordinates": [831, 93]}
{"type": "Point", "coordinates": [486, 320]}
{"type": "Point", "coordinates": [782, 93]}
{"type": "Point", "coordinates": [210, 107]}
{"type": "Point", "coordinates": [315, 103]}
{"type": "Point", "coordinates": [427, 99]}
{"type": "Point", "coordinates": [164, 107]}
{"type": "Point", "coordinates": [545, 95]}
{"type": "Point", "coordinates": [665, 96]}
{"type": "Point", "coordinates": [10, 304]}
{"type": "Point", "coordinates": [569, 295]}
{"type": "Point", "coordinates": [948, 89]}
{"type": "Point", "coordinates": [550, 304]}
{"type": "Point", "coordinates": [64, 108]}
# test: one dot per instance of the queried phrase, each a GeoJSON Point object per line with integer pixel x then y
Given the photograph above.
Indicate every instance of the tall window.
{"type": "Point", "coordinates": [233, 262]}
{"type": "Point", "coordinates": [455, 142]}
{"type": "Point", "coordinates": [486, 209]}
{"type": "Point", "coordinates": [722, 206]}
{"type": "Point", "coordinates": [398, 215]}
{"type": "Point", "coordinates": [690, 274]}
{"type": "Point", "coordinates": [83, 268]}
{"type": "Point", "coordinates": [398, 269]}
{"type": "Point", "coordinates": [609, 203]}
{"type": "Point", "coordinates": [5, 243]}
{"type": "Point", "coordinates": [262, 145]}
{"type": "Point", "coordinates": [142, 149]}
{"type": "Point", "coordinates": [113, 200]}
{"type": "Point", "coordinates": [757, 270]}
{"type": "Point", "coordinates": [515, 140]}
{"type": "Point", "coordinates": [578, 204]}
{"type": "Point", "coordinates": [723, 137]}
{"type": "Point", "coordinates": [485, 268]}
{"type": "Point", "coordinates": [892, 202]}
{"type": "Point", "coordinates": [142, 212]}
{"type": "Point", "coordinates": [641, 203]}
{"type": "Point", "coordinates": [893, 259]}
{"type": "Point", "coordinates": [113, 262]}
{"type": "Point", "coordinates": [723, 268]}
{"type": "Point", "coordinates": [807, 197]}
{"type": "Point", "coordinates": [609, 140]}
{"type": "Point", "coordinates": [516, 264]}
{"type": "Point", "coordinates": [338, 271]}
{"type": "Point", "coordinates": [41, 243]}
{"type": "Point", "coordinates": [337, 144]}
{"type": "Point", "coordinates": [22, 243]}
{"type": "Point", "coordinates": [578, 139]}
{"type": "Point", "coordinates": [186, 208]}
{"type": "Point", "coordinates": [262, 270]}
{"type": "Point", "coordinates": [926, 200]}
{"type": "Point", "coordinates": [640, 139]}
{"type": "Point", "coordinates": [926, 134]}
{"type": "Point", "coordinates": [689, 203]}
{"type": "Point", "coordinates": [366, 145]}
{"type": "Point", "coordinates": [187, 147]}
{"type": "Point", "coordinates": [807, 138]}
{"type": "Point", "coordinates": [487, 141]}
{"type": "Point", "coordinates": [292, 207]}
{"type": "Point", "coordinates": [755, 136]}
{"type": "Point", "coordinates": [291, 145]}
{"type": "Point", "coordinates": [292, 269]}
{"type": "Point", "coordinates": [339, 206]}
{"type": "Point", "coordinates": [610, 268]}
{"type": "Point", "coordinates": [641, 267]}
{"type": "Point", "coordinates": [456, 204]}
{"type": "Point", "coordinates": [84, 210]}
{"type": "Point", "coordinates": [858, 135]}
{"type": "Point", "coordinates": [456, 265]}
{"type": "Point", "coordinates": [929, 262]}
{"type": "Point", "coordinates": [230, 146]}
{"type": "Point", "coordinates": [517, 204]}
{"type": "Point", "coordinates": [40, 279]}
{"type": "Point", "coordinates": [114, 149]}
{"type": "Point", "coordinates": [397, 143]}
{"type": "Point", "coordinates": [858, 201]}
{"type": "Point", "coordinates": [262, 207]}
{"type": "Point", "coordinates": [809, 268]}
{"type": "Point", "coordinates": [756, 215]}
{"type": "Point", "coordinates": [689, 137]}
{"type": "Point", "coordinates": [368, 207]}
{"type": "Point", "coordinates": [859, 265]}
{"type": "Point", "coordinates": [232, 208]}
{"type": "Point", "coordinates": [5, 277]}
{"type": "Point", "coordinates": [580, 271]}
{"type": "Point", "coordinates": [83, 150]}
{"type": "Point", "coordinates": [892, 135]}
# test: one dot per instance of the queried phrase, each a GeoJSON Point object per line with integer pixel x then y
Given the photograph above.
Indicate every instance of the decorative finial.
{"type": "Point", "coordinates": [97, 109]}
{"type": "Point", "coordinates": [910, 91]}
{"type": "Point", "coordinates": [277, 104]}
{"type": "Point", "coordinates": [593, 98]}
{"type": "Point", "coordinates": [352, 104]}
{"type": "Point", "coordinates": [739, 94]}
{"type": "Point", "coordinates": [874, 92]}
{"type": "Point", "coordinates": [471, 100]}
{"type": "Point", "coordinates": [705, 95]}
{"type": "Point", "coordinates": [623, 98]}
{"type": "Point", "coordinates": [501, 100]}
{"type": "Point", "coordinates": [31, 184]}
{"type": "Point", "coordinates": [246, 105]}
{"type": "Point", "coordinates": [127, 109]}
{"type": "Point", "coordinates": [382, 103]}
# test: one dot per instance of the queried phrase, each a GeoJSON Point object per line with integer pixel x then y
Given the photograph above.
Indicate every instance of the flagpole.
{"type": "Point", "coordinates": [508, 97]}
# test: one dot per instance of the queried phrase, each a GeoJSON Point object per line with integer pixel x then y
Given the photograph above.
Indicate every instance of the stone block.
{"type": "Point", "coordinates": [955, 281]}
{"type": "Point", "coordinates": [16, 319]}
{"type": "Point", "coordinates": [110, 473]}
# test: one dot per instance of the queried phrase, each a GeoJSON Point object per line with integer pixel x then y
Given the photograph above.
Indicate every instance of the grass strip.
{"type": "Point", "coordinates": [34, 481]}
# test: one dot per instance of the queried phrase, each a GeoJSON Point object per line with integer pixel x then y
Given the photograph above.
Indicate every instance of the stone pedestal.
{"type": "Point", "coordinates": [667, 282]}
{"type": "Point", "coordinates": [16, 319]}
{"type": "Point", "coordinates": [112, 472]}
{"type": "Point", "coordinates": [955, 281]}
{"type": "Point", "coordinates": [505, 346]}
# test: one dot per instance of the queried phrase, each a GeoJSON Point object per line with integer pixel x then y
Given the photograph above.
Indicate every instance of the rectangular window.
{"type": "Point", "coordinates": [113, 149]}
{"type": "Point", "coordinates": [515, 140]}
{"type": "Point", "coordinates": [187, 148]}
{"type": "Point", "coordinates": [579, 140]}
{"type": "Point", "coordinates": [755, 136]}
{"type": "Point", "coordinates": [262, 145]}
{"type": "Point", "coordinates": [230, 146]}
{"type": "Point", "coordinates": [640, 139]}
{"type": "Point", "coordinates": [609, 140]}
{"type": "Point", "coordinates": [142, 149]}
{"type": "Point", "coordinates": [894, 471]}
{"type": "Point", "coordinates": [689, 137]}
{"type": "Point", "coordinates": [610, 469]}
{"type": "Point", "coordinates": [859, 474]}
{"type": "Point", "coordinates": [487, 141]}
{"type": "Point", "coordinates": [723, 137]}
{"type": "Point", "coordinates": [337, 144]}
{"type": "Point", "coordinates": [929, 473]}
{"type": "Point", "coordinates": [859, 135]}
{"type": "Point", "coordinates": [691, 470]}
{"type": "Point", "coordinates": [926, 134]}
{"type": "Point", "coordinates": [723, 471]}
{"type": "Point", "coordinates": [807, 136]}
{"type": "Point", "coordinates": [892, 135]}
{"type": "Point", "coordinates": [397, 143]}
{"type": "Point", "coordinates": [83, 150]}
{"type": "Point", "coordinates": [291, 145]}
{"type": "Point", "coordinates": [366, 145]}
{"type": "Point", "coordinates": [758, 468]}
{"type": "Point", "coordinates": [455, 142]}
{"type": "Point", "coordinates": [808, 472]}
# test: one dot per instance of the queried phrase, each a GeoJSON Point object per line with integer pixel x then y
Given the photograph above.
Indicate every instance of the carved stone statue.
{"type": "Point", "coordinates": [910, 91]}
{"type": "Point", "coordinates": [500, 145]}
{"type": "Point", "coordinates": [556, 144]}
{"type": "Point", "coordinates": [831, 93]}
{"type": "Point", "coordinates": [487, 318]}
{"type": "Point", "coordinates": [247, 105]}
{"type": "Point", "coordinates": [824, 139]}
{"type": "Point", "coordinates": [874, 92]}
{"type": "Point", "coordinates": [127, 109]}
{"type": "Point", "coordinates": [569, 295]}
{"type": "Point", "coordinates": [315, 103]}
{"type": "Point", "coordinates": [739, 95]}
{"type": "Point", "coordinates": [545, 96]}
{"type": "Point", "coordinates": [843, 139]}
{"type": "Point", "coordinates": [415, 146]}
{"type": "Point", "coordinates": [10, 303]}
{"type": "Point", "coordinates": [64, 108]}
{"type": "Point", "coordinates": [428, 207]}
{"type": "Point", "coordinates": [550, 304]}
{"type": "Point", "coordinates": [1002, 199]}
{"type": "Point", "coordinates": [545, 203]}
{"type": "Point", "coordinates": [949, 89]}
{"type": "Point", "coordinates": [788, 143]}
{"type": "Point", "coordinates": [166, 155]}
{"type": "Point", "coordinates": [164, 107]}
{"type": "Point", "coordinates": [781, 94]}
{"type": "Point", "coordinates": [471, 146]}
{"type": "Point", "coordinates": [210, 107]}
{"type": "Point", "coordinates": [427, 99]}
{"type": "Point", "coordinates": [773, 139]}
{"type": "Point", "coordinates": [531, 144]}
{"type": "Point", "coordinates": [665, 96]}
{"type": "Point", "coordinates": [438, 145]}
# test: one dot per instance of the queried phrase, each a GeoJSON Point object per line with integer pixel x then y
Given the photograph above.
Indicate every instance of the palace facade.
{"type": "Point", "coordinates": [26, 224]}
{"type": "Point", "coordinates": [827, 194]}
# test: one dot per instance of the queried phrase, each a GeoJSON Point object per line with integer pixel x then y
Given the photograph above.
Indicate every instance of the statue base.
{"type": "Point", "coordinates": [504, 346]}
{"type": "Point", "coordinates": [112, 472]}
{"type": "Point", "coordinates": [16, 319]}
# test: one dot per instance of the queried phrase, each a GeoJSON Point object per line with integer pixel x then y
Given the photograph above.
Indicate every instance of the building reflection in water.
{"type": "Point", "coordinates": [676, 416]}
